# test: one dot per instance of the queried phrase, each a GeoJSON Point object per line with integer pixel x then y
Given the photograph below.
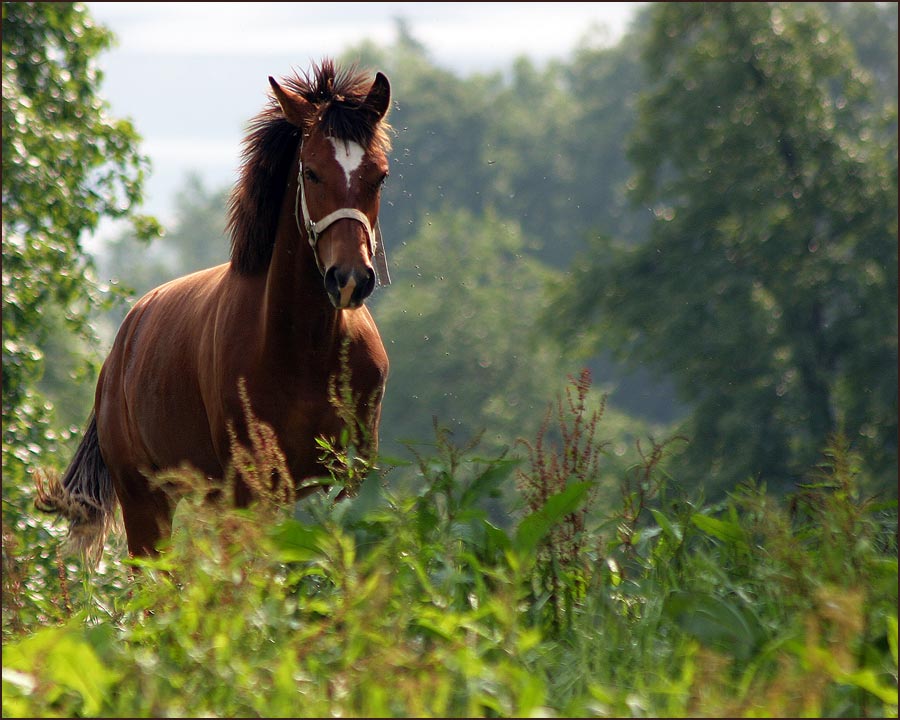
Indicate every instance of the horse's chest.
{"type": "Point", "coordinates": [318, 397]}
{"type": "Point", "coordinates": [311, 390]}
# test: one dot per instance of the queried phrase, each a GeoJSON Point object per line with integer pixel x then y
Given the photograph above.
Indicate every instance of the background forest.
{"type": "Point", "coordinates": [704, 215]}
{"type": "Point", "coordinates": [732, 283]}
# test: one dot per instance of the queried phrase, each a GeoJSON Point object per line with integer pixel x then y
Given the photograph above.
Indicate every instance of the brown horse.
{"type": "Point", "coordinates": [280, 315]}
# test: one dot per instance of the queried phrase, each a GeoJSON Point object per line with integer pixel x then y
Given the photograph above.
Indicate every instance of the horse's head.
{"type": "Point", "coordinates": [341, 166]}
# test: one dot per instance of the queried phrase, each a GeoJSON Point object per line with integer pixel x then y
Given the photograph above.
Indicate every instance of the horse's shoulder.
{"type": "Point", "coordinates": [362, 327]}
{"type": "Point", "coordinates": [365, 337]}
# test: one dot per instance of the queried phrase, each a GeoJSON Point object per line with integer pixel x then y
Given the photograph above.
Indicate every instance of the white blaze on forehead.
{"type": "Point", "coordinates": [349, 156]}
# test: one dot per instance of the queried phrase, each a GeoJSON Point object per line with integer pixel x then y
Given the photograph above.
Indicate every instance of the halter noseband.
{"type": "Point", "coordinates": [315, 229]}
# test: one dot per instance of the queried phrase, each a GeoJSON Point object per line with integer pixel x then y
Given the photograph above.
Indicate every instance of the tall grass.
{"type": "Point", "coordinates": [474, 587]}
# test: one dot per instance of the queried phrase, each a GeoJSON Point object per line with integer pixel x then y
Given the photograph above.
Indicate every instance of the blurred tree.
{"type": "Point", "coordinates": [605, 84]}
{"type": "Point", "coordinates": [458, 325]}
{"type": "Point", "coordinates": [768, 285]}
{"type": "Point", "coordinates": [586, 195]}
{"type": "Point", "coordinates": [68, 378]}
{"type": "Point", "coordinates": [530, 172]}
{"type": "Point", "coordinates": [66, 165]}
{"type": "Point", "coordinates": [872, 30]}
{"type": "Point", "coordinates": [195, 240]}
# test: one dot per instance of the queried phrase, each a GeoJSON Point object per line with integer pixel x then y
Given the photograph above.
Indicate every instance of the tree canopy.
{"type": "Point", "coordinates": [767, 288]}
{"type": "Point", "coordinates": [462, 335]}
{"type": "Point", "coordinates": [66, 165]}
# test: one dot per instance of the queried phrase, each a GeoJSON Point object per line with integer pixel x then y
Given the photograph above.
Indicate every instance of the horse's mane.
{"type": "Point", "coordinates": [270, 147]}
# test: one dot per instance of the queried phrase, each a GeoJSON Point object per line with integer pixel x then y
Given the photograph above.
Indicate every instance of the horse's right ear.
{"type": "Point", "coordinates": [295, 108]}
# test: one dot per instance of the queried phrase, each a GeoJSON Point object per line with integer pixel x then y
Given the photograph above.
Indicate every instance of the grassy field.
{"type": "Point", "coordinates": [460, 585]}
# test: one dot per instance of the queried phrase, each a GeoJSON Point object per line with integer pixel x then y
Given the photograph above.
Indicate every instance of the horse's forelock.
{"type": "Point", "coordinates": [339, 97]}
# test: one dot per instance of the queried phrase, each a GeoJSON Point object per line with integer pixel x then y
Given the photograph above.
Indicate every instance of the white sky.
{"type": "Point", "coordinates": [189, 75]}
{"type": "Point", "coordinates": [465, 36]}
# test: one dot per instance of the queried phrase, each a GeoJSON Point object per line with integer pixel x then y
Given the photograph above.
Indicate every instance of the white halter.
{"type": "Point", "coordinates": [315, 229]}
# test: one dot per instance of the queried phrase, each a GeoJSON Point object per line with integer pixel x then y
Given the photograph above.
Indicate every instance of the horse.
{"type": "Point", "coordinates": [274, 324]}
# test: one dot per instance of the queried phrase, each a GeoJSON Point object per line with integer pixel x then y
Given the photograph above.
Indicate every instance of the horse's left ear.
{"type": "Point", "coordinates": [295, 108]}
{"type": "Point", "coordinates": [379, 97]}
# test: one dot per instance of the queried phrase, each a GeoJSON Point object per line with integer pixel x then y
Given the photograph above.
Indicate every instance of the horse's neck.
{"type": "Point", "coordinates": [297, 308]}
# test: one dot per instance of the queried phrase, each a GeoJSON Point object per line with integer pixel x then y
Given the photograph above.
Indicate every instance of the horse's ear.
{"type": "Point", "coordinates": [295, 108]}
{"type": "Point", "coordinates": [379, 97]}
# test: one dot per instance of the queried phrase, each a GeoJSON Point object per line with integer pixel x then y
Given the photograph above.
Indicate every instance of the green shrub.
{"type": "Point", "coordinates": [424, 599]}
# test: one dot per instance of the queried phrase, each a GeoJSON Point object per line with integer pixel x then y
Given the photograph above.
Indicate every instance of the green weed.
{"type": "Point", "coordinates": [475, 587]}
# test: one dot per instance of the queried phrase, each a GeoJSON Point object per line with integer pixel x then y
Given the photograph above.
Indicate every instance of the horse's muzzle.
{"type": "Point", "coordinates": [349, 288]}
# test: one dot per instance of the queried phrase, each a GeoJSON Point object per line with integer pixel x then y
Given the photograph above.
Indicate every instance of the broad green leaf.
{"type": "Point", "coordinates": [497, 537]}
{"type": "Point", "coordinates": [296, 542]}
{"type": "Point", "coordinates": [672, 531]}
{"type": "Point", "coordinates": [868, 680]}
{"type": "Point", "coordinates": [487, 482]}
{"type": "Point", "coordinates": [63, 656]}
{"type": "Point", "coordinates": [535, 526]}
{"type": "Point", "coordinates": [720, 529]}
{"type": "Point", "coordinates": [725, 624]}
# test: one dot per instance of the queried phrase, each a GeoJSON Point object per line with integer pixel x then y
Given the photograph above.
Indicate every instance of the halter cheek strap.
{"type": "Point", "coordinates": [315, 229]}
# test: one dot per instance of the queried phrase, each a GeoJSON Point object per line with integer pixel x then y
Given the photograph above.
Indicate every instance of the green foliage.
{"type": "Point", "coordinates": [56, 187]}
{"type": "Point", "coordinates": [768, 287]}
{"type": "Point", "coordinates": [563, 478]}
{"type": "Point", "coordinates": [872, 28]}
{"type": "Point", "coordinates": [459, 327]}
{"type": "Point", "coordinates": [66, 165]}
{"type": "Point", "coordinates": [411, 601]}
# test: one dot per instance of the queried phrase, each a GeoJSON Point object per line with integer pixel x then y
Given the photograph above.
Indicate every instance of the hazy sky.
{"type": "Point", "coordinates": [190, 75]}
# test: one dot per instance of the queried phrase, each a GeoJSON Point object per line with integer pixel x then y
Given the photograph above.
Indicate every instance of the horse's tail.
{"type": "Point", "coordinates": [84, 496]}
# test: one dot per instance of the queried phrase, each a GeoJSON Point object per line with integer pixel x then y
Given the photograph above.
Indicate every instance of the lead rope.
{"type": "Point", "coordinates": [315, 229]}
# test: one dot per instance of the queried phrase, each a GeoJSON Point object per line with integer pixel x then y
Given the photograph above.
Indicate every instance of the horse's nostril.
{"type": "Point", "coordinates": [368, 286]}
{"type": "Point", "coordinates": [349, 288]}
{"type": "Point", "coordinates": [333, 281]}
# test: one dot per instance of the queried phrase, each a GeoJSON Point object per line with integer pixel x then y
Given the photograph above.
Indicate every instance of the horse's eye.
{"type": "Point", "coordinates": [312, 177]}
{"type": "Point", "coordinates": [382, 180]}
